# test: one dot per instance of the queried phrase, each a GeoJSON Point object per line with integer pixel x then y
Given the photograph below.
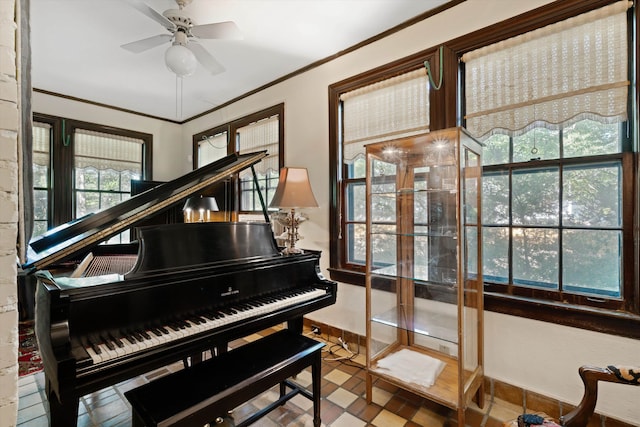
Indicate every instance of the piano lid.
{"type": "Point", "coordinates": [80, 235]}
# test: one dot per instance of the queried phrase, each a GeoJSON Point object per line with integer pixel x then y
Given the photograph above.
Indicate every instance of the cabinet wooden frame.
{"type": "Point", "coordinates": [422, 244]}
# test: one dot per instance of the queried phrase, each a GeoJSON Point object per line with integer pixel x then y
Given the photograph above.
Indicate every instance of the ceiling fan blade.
{"type": "Point", "coordinates": [148, 43]}
{"type": "Point", "coordinates": [219, 30]}
{"type": "Point", "coordinates": [205, 58]}
{"type": "Point", "coordinates": [151, 13]}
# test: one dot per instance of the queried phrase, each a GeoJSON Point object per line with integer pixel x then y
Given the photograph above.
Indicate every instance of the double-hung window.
{"type": "Point", "coordinates": [551, 107]}
{"type": "Point", "coordinates": [263, 134]}
{"type": "Point", "coordinates": [80, 168]}
{"type": "Point", "coordinates": [377, 107]}
{"type": "Point", "coordinates": [259, 131]}
{"type": "Point", "coordinates": [389, 109]}
{"type": "Point", "coordinates": [104, 165]}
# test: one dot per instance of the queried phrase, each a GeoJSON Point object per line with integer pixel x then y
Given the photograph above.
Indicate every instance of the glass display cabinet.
{"type": "Point", "coordinates": [424, 267]}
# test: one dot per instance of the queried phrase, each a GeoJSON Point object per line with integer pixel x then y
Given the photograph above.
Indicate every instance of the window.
{"type": "Point", "coordinates": [393, 102]}
{"type": "Point", "coordinates": [260, 135]}
{"type": "Point", "coordinates": [263, 130]}
{"type": "Point", "coordinates": [98, 161]}
{"type": "Point", "coordinates": [560, 166]}
{"type": "Point", "coordinates": [389, 109]}
{"type": "Point", "coordinates": [558, 198]}
{"type": "Point", "coordinates": [104, 165]}
{"type": "Point", "coordinates": [553, 213]}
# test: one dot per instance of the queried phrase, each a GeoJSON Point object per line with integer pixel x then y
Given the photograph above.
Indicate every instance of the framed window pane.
{"type": "Point", "coordinates": [385, 207]}
{"type": "Point", "coordinates": [496, 150]}
{"type": "Point", "coordinates": [40, 211]}
{"type": "Point", "coordinates": [87, 179]}
{"type": "Point", "coordinates": [535, 257]}
{"type": "Point", "coordinates": [591, 195]}
{"type": "Point", "coordinates": [592, 262]}
{"type": "Point", "coordinates": [590, 138]}
{"type": "Point", "coordinates": [537, 144]}
{"type": "Point", "coordinates": [356, 243]}
{"type": "Point", "coordinates": [495, 198]}
{"type": "Point", "coordinates": [535, 197]}
{"type": "Point", "coordinates": [86, 203]}
{"type": "Point", "coordinates": [40, 176]}
{"type": "Point", "coordinates": [495, 254]}
{"type": "Point", "coordinates": [109, 180]}
{"type": "Point", "coordinates": [356, 209]}
{"type": "Point", "coordinates": [125, 180]}
{"type": "Point", "coordinates": [357, 168]}
{"type": "Point", "coordinates": [247, 195]}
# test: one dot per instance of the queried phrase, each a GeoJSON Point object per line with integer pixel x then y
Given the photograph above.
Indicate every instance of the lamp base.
{"type": "Point", "coordinates": [291, 251]}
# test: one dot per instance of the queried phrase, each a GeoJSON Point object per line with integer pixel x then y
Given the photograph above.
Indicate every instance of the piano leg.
{"type": "Point", "coordinates": [62, 414]}
{"type": "Point", "coordinates": [295, 325]}
{"type": "Point", "coordinates": [316, 376]}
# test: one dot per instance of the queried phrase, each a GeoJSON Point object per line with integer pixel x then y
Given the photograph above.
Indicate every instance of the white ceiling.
{"type": "Point", "coordinates": [76, 47]}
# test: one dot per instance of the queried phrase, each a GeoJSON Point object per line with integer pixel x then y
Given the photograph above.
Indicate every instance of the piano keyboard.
{"type": "Point", "coordinates": [107, 346]}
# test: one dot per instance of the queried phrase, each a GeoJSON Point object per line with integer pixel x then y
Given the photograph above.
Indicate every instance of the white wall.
{"type": "Point", "coordinates": [538, 356]}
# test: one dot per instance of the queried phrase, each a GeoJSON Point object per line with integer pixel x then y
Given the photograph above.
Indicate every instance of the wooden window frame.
{"type": "Point", "coordinates": [231, 128]}
{"type": "Point", "coordinates": [61, 205]}
{"type": "Point", "coordinates": [443, 114]}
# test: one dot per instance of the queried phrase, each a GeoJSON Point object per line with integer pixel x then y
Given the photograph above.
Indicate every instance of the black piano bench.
{"type": "Point", "coordinates": [207, 391]}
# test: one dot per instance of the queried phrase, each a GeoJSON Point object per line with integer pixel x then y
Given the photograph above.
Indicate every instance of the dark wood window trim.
{"type": "Point", "coordinates": [616, 322]}
{"type": "Point", "coordinates": [231, 128]}
{"type": "Point", "coordinates": [61, 203]}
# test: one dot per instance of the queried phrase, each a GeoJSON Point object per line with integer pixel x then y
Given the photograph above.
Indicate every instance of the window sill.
{"type": "Point", "coordinates": [610, 322]}
{"type": "Point", "coordinates": [347, 276]}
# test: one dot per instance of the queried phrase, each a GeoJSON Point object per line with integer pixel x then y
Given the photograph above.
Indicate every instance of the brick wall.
{"type": "Point", "coordinates": [9, 126]}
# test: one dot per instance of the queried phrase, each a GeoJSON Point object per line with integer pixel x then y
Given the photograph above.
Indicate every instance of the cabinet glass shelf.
{"type": "Point", "coordinates": [440, 326]}
{"type": "Point", "coordinates": [446, 276]}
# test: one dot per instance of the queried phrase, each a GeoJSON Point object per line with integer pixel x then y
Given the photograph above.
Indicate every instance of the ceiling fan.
{"type": "Point", "coordinates": [185, 51]}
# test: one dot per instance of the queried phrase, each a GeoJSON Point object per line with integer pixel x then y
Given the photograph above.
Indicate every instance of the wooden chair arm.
{"type": "Point", "coordinates": [590, 375]}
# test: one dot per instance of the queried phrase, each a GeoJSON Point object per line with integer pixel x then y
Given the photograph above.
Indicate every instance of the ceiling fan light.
{"type": "Point", "coordinates": [180, 60]}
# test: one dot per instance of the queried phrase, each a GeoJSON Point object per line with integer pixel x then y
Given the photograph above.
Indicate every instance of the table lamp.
{"type": "Point", "coordinates": [293, 192]}
{"type": "Point", "coordinates": [199, 208]}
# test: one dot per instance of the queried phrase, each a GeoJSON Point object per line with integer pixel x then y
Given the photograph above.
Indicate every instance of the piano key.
{"type": "Point", "coordinates": [94, 346]}
{"type": "Point", "coordinates": [107, 341]}
{"type": "Point", "coordinates": [135, 340]}
{"type": "Point", "coordinates": [116, 340]}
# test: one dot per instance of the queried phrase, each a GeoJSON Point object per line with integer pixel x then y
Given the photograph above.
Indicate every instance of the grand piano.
{"type": "Point", "coordinates": [181, 289]}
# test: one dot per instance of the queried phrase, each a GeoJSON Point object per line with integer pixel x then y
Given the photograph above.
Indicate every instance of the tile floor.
{"type": "Point", "coordinates": [343, 400]}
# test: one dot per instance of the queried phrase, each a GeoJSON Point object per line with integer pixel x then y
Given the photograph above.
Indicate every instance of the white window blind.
{"type": "Point", "coordinates": [565, 72]}
{"type": "Point", "coordinates": [389, 109]}
{"type": "Point", "coordinates": [262, 135]}
{"type": "Point", "coordinates": [212, 148]}
{"type": "Point", "coordinates": [104, 151]}
{"type": "Point", "coordinates": [41, 143]}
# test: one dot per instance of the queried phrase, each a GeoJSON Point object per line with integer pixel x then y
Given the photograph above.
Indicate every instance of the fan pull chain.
{"type": "Point", "coordinates": [179, 92]}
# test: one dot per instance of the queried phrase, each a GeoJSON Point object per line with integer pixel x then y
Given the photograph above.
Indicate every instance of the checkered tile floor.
{"type": "Point", "coordinates": [343, 400]}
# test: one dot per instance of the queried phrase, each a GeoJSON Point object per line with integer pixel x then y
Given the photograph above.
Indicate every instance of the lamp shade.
{"type": "Point", "coordinates": [201, 203]}
{"type": "Point", "coordinates": [180, 60]}
{"type": "Point", "coordinates": [294, 190]}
